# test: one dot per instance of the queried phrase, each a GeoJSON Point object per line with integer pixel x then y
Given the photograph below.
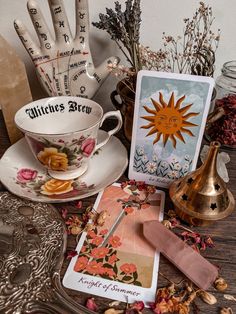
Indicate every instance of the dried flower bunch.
{"type": "Point", "coordinates": [192, 53]}
{"type": "Point", "coordinates": [176, 298]}
{"type": "Point", "coordinates": [76, 224]}
{"type": "Point", "coordinates": [124, 29]}
{"type": "Point", "coordinates": [179, 298]}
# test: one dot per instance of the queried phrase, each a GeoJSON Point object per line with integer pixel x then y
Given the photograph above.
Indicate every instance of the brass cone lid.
{"type": "Point", "coordinates": [202, 194]}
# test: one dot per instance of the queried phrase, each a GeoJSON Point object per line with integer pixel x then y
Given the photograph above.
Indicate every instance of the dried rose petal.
{"type": "Point", "coordinates": [196, 241]}
{"type": "Point", "coordinates": [71, 254]}
{"type": "Point", "coordinates": [64, 213]}
{"type": "Point", "coordinates": [91, 305]}
{"type": "Point", "coordinates": [79, 204]}
{"type": "Point", "coordinates": [174, 222]}
{"type": "Point", "coordinates": [224, 129]}
{"type": "Point", "coordinates": [203, 246]}
{"type": "Point", "coordinates": [152, 305]}
{"type": "Point", "coordinates": [138, 305]}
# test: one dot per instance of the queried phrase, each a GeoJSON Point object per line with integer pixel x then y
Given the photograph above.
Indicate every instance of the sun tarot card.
{"type": "Point", "coordinates": [169, 120]}
{"type": "Point", "coordinates": [114, 260]}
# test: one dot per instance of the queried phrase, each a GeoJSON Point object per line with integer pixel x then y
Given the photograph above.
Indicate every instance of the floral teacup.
{"type": "Point", "coordinates": [62, 132]}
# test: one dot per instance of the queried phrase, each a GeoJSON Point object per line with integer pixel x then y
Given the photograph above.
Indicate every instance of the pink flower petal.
{"type": "Point", "coordinates": [138, 305]}
{"type": "Point", "coordinates": [64, 213]}
{"type": "Point", "coordinates": [91, 305]}
{"type": "Point", "coordinates": [71, 254]}
{"type": "Point", "coordinates": [79, 204]}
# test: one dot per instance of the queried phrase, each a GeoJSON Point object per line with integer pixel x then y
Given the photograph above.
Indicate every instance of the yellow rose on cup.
{"type": "Point", "coordinates": [55, 187]}
{"type": "Point", "coordinates": [53, 159]}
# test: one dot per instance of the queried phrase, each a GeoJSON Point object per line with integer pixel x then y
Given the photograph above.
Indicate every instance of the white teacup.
{"type": "Point", "coordinates": [62, 132]}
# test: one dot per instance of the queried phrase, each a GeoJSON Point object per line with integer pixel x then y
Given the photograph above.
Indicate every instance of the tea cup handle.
{"type": "Point", "coordinates": [116, 114]}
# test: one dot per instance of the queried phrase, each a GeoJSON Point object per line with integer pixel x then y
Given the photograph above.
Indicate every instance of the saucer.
{"type": "Point", "coordinates": [22, 175]}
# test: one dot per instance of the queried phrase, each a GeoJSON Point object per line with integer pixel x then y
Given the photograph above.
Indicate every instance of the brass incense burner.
{"type": "Point", "coordinates": [201, 197]}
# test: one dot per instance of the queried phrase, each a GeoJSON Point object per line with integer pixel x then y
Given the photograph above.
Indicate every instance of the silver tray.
{"type": "Point", "coordinates": [32, 246]}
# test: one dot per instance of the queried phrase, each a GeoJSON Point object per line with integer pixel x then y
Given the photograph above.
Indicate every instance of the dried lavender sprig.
{"type": "Point", "coordinates": [124, 28]}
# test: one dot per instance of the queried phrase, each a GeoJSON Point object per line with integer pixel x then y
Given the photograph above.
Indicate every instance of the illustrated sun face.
{"type": "Point", "coordinates": [169, 120]}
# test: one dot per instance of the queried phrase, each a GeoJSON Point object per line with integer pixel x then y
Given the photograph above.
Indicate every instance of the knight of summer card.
{"type": "Point", "coordinates": [114, 260]}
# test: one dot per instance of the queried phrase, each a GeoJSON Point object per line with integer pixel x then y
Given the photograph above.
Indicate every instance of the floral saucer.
{"type": "Point", "coordinates": [22, 175]}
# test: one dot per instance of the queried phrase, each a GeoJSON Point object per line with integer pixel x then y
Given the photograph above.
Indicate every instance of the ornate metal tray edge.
{"type": "Point", "coordinates": [32, 245]}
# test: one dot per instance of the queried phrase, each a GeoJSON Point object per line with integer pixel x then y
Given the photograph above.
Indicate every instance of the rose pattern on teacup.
{"type": "Point", "coordinates": [25, 175]}
{"type": "Point", "coordinates": [56, 187]}
{"type": "Point", "coordinates": [62, 133]}
{"type": "Point", "coordinates": [88, 146]}
{"type": "Point", "coordinates": [52, 158]}
{"type": "Point", "coordinates": [63, 155]}
{"type": "Point", "coordinates": [37, 184]}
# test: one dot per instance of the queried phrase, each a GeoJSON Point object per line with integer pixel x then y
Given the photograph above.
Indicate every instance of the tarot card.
{"type": "Point", "coordinates": [169, 120]}
{"type": "Point", "coordinates": [114, 260]}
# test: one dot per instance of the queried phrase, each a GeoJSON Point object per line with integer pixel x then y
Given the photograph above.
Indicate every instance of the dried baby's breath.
{"type": "Point", "coordinates": [193, 52]}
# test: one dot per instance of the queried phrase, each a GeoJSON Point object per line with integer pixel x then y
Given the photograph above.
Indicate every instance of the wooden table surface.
{"type": "Point", "coordinates": [222, 232]}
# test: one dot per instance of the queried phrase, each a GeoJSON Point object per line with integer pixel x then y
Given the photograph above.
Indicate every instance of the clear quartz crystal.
{"type": "Point", "coordinates": [222, 159]}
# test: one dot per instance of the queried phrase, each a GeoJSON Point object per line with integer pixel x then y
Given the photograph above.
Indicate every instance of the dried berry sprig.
{"type": "Point", "coordinates": [124, 29]}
